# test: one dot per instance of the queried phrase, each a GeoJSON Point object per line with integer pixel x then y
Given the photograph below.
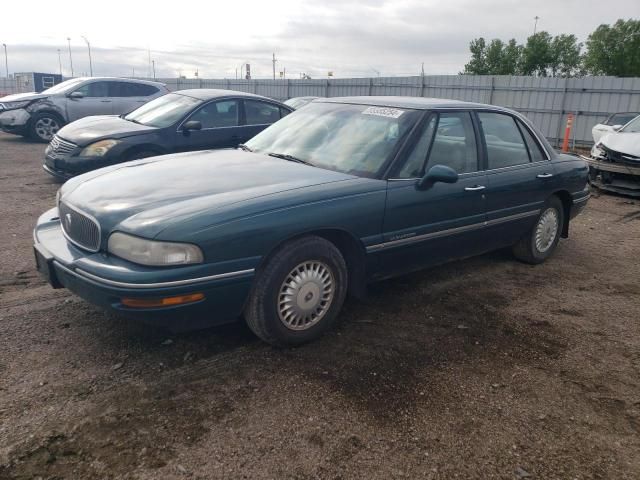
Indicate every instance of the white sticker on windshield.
{"type": "Point", "coordinates": [383, 112]}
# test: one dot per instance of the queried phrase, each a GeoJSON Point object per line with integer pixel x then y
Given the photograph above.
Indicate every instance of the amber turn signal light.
{"type": "Point", "coordinates": [162, 302]}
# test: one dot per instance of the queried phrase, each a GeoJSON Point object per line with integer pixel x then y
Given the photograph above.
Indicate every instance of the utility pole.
{"type": "Point", "coordinates": [6, 59]}
{"type": "Point", "coordinates": [422, 71]}
{"type": "Point", "coordinates": [153, 65]}
{"type": "Point", "coordinates": [60, 61]}
{"type": "Point", "coordinates": [90, 62]}
{"type": "Point", "coordinates": [274, 65]}
{"type": "Point", "coordinates": [70, 58]}
{"type": "Point", "coordinates": [149, 66]}
{"type": "Point", "coordinates": [535, 25]}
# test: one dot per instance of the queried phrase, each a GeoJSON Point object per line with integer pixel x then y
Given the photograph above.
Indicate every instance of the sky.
{"type": "Point", "coordinates": [214, 38]}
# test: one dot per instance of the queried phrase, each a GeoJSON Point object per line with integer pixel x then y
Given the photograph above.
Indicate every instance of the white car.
{"type": "Point", "coordinates": [613, 123]}
{"type": "Point", "coordinates": [615, 160]}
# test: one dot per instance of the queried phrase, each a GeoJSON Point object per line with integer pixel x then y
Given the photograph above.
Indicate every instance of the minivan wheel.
{"type": "Point", "coordinates": [44, 126]}
{"type": "Point", "coordinates": [541, 241]}
{"type": "Point", "coordinates": [298, 294]}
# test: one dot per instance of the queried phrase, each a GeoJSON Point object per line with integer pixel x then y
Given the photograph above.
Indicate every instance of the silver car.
{"type": "Point", "coordinates": [41, 115]}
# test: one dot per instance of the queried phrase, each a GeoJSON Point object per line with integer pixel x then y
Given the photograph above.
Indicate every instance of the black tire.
{"type": "Point", "coordinates": [43, 126]}
{"type": "Point", "coordinates": [321, 262]}
{"type": "Point", "coordinates": [528, 249]}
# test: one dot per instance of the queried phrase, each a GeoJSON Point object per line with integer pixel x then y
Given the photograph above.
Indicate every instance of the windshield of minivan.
{"type": "Point", "coordinates": [64, 86]}
{"type": "Point", "coordinates": [354, 139]}
{"type": "Point", "coordinates": [163, 111]}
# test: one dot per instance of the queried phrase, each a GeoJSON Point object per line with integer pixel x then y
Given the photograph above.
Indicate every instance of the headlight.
{"type": "Point", "coordinates": [98, 149]}
{"type": "Point", "coordinates": [151, 252]}
{"type": "Point", "coordinates": [14, 105]}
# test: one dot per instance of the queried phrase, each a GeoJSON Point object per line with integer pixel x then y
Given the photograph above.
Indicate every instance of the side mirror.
{"type": "Point", "coordinates": [191, 125]}
{"type": "Point", "coordinates": [615, 128]}
{"type": "Point", "coordinates": [76, 95]}
{"type": "Point", "coordinates": [437, 173]}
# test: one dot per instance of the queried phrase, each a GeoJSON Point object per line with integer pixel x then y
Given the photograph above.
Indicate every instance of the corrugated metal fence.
{"type": "Point", "coordinates": [546, 101]}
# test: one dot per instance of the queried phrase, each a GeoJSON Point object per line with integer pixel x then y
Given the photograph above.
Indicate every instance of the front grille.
{"type": "Point", "coordinates": [59, 148]}
{"type": "Point", "coordinates": [79, 228]}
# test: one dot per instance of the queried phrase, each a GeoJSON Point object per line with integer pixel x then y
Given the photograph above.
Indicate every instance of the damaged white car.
{"type": "Point", "coordinates": [614, 163]}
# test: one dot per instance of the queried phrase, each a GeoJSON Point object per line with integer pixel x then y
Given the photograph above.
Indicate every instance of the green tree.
{"type": "Point", "coordinates": [614, 50]}
{"type": "Point", "coordinates": [565, 59]}
{"type": "Point", "coordinates": [537, 55]}
{"type": "Point", "coordinates": [511, 58]}
{"type": "Point", "coordinates": [478, 63]}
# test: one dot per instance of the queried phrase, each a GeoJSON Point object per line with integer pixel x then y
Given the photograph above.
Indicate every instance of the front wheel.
{"type": "Point", "coordinates": [298, 294]}
{"type": "Point", "coordinates": [44, 126]}
{"type": "Point", "coordinates": [540, 242]}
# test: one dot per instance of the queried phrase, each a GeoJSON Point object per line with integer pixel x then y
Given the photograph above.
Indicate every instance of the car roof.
{"type": "Point", "coordinates": [210, 93]}
{"type": "Point", "coordinates": [122, 79]}
{"type": "Point", "coordinates": [419, 103]}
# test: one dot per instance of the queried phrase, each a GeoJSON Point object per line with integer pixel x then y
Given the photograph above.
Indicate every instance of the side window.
{"type": "Point", "coordinates": [413, 167]}
{"type": "Point", "coordinates": [454, 144]}
{"type": "Point", "coordinates": [505, 146]}
{"type": "Point", "coordinates": [260, 113]}
{"type": "Point", "coordinates": [217, 114]}
{"type": "Point", "coordinates": [94, 89]}
{"type": "Point", "coordinates": [535, 150]}
{"type": "Point", "coordinates": [129, 89]}
{"type": "Point", "coordinates": [284, 112]}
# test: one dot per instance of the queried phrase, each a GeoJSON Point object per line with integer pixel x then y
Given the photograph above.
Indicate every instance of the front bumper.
{"type": "Point", "coordinates": [14, 121]}
{"type": "Point", "coordinates": [105, 281]}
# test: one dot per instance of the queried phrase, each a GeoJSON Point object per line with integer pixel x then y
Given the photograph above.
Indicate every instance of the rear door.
{"type": "Point", "coordinates": [258, 115]}
{"type": "Point", "coordinates": [445, 221]}
{"type": "Point", "coordinates": [520, 176]}
{"type": "Point", "coordinates": [127, 96]}
{"type": "Point", "coordinates": [220, 127]}
{"type": "Point", "coordinates": [95, 101]}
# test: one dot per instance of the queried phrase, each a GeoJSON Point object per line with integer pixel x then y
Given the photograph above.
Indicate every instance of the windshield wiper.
{"type": "Point", "coordinates": [244, 147]}
{"type": "Point", "coordinates": [291, 158]}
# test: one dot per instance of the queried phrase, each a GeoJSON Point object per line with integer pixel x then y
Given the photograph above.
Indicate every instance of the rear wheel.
{"type": "Point", "coordinates": [298, 294]}
{"type": "Point", "coordinates": [44, 126]}
{"type": "Point", "coordinates": [541, 241]}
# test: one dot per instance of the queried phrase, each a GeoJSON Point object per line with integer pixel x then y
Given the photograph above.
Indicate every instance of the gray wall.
{"type": "Point", "coordinates": [546, 101]}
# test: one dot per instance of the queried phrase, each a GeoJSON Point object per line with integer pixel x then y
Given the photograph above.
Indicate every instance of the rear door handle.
{"type": "Point", "coordinates": [475, 188]}
{"type": "Point", "coordinates": [105, 101]}
{"type": "Point", "coordinates": [545, 175]}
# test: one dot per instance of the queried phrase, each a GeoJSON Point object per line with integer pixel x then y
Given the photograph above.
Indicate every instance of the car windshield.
{"type": "Point", "coordinates": [633, 126]}
{"type": "Point", "coordinates": [299, 101]}
{"type": "Point", "coordinates": [620, 118]}
{"type": "Point", "coordinates": [64, 86]}
{"type": "Point", "coordinates": [163, 111]}
{"type": "Point", "coordinates": [354, 139]}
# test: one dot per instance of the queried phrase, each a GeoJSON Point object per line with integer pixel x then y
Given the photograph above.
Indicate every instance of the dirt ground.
{"type": "Point", "coordinates": [484, 368]}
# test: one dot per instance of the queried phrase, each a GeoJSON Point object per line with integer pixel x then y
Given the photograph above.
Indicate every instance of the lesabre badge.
{"type": "Point", "coordinates": [67, 217]}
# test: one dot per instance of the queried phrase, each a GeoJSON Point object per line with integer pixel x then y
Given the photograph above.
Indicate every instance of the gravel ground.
{"type": "Point", "coordinates": [484, 368]}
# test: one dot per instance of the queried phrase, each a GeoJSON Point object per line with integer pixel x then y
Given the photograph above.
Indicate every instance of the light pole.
{"type": "Point", "coordinates": [6, 59]}
{"type": "Point", "coordinates": [153, 65]}
{"type": "Point", "coordinates": [70, 58]}
{"type": "Point", "coordinates": [60, 61]}
{"type": "Point", "coordinates": [535, 25]}
{"type": "Point", "coordinates": [90, 63]}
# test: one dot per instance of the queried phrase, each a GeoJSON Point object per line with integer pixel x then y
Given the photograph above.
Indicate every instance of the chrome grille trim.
{"type": "Point", "coordinates": [59, 148]}
{"type": "Point", "coordinates": [80, 228]}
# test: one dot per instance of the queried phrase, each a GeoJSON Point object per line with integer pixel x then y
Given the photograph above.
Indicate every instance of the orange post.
{"type": "Point", "coordinates": [567, 133]}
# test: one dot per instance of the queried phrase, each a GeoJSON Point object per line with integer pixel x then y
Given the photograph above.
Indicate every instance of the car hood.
{"type": "Point", "coordinates": [146, 196]}
{"type": "Point", "coordinates": [628, 143]}
{"type": "Point", "coordinates": [89, 129]}
{"type": "Point", "coordinates": [22, 96]}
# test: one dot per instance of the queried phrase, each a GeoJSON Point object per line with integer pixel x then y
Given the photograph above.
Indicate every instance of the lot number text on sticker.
{"type": "Point", "coordinates": [383, 112]}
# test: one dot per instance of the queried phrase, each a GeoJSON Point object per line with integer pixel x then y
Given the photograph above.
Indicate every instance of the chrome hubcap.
{"type": "Point", "coordinates": [46, 128]}
{"type": "Point", "coordinates": [547, 229]}
{"type": "Point", "coordinates": [305, 295]}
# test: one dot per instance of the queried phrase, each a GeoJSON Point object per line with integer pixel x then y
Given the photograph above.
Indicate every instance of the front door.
{"type": "Point", "coordinates": [220, 127]}
{"type": "Point", "coordinates": [424, 227]}
{"type": "Point", "coordinates": [520, 177]}
{"type": "Point", "coordinates": [95, 101]}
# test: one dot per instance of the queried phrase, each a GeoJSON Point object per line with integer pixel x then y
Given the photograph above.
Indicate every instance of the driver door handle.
{"type": "Point", "coordinates": [545, 175]}
{"type": "Point", "coordinates": [475, 188]}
